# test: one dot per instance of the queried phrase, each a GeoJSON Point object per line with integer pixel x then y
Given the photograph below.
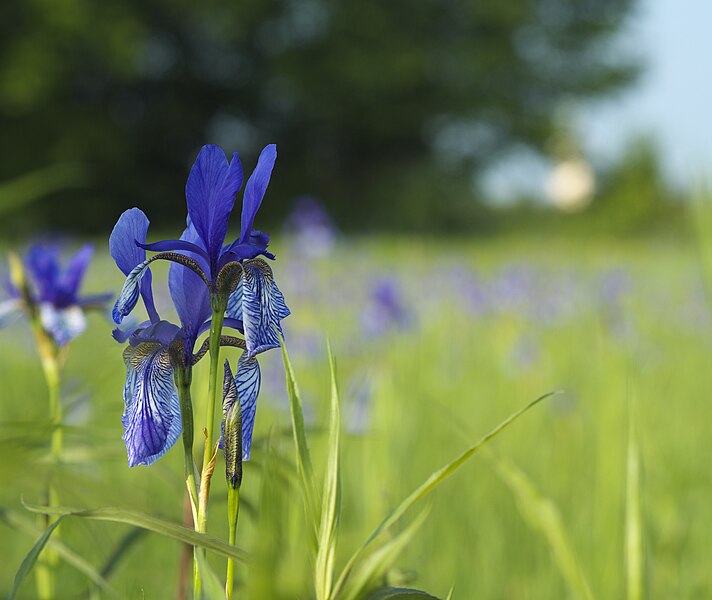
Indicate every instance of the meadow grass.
{"type": "Point", "coordinates": [487, 326]}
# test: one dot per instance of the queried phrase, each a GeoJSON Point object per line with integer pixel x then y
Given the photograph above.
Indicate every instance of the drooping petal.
{"type": "Point", "coordinates": [9, 311]}
{"type": "Point", "coordinates": [234, 303]}
{"type": "Point", "coordinates": [189, 293]}
{"type": "Point", "coordinates": [63, 324]}
{"type": "Point", "coordinates": [210, 192]}
{"type": "Point", "coordinates": [132, 227]}
{"type": "Point", "coordinates": [151, 418]}
{"type": "Point", "coordinates": [72, 277]}
{"type": "Point", "coordinates": [128, 297]}
{"type": "Point", "coordinates": [263, 307]}
{"type": "Point", "coordinates": [247, 382]}
{"type": "Point", "coordinates": [43, 265]}
{"type": "Point", "coordinates": [163, 333]}
{"type": "Point", "coordinates": [255, 190]}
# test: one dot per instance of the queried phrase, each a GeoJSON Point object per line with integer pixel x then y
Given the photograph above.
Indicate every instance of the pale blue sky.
{"type": "Point", "coordinates": [672, 101]}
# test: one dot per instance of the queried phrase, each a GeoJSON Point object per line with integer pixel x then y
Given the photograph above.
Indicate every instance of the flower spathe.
{"type": "Point", "coordinates": [205, 272]}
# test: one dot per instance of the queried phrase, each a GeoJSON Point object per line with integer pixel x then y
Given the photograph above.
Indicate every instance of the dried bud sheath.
{"type": "Point", "coordinates": [232, 431]}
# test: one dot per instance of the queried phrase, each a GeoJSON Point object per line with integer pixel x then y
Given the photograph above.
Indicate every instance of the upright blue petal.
{"type": "Point", "coordinates": [151, 418]}
{"type": "Point", "coordinates": [247, 381]}
{"type": "Point", "coordinates": [255, 190]}
{"type": "Point", "coordinates": [263, 307]}
{"type": "Point", "coordinates": [43, 266]}
{"type": "Point", "coordinates": [132, 227]}
{"type": "Point", "coordinates": [71, 279]}
{"type": "Point", "coordinates": [210, 192]}
{"type": "Point", "coordinates": [189, 293]}
{"type": "Point", "coordinates": [62, 323]}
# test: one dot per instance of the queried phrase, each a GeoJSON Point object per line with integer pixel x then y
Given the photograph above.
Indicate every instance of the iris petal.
{"type": "Point", "coordinates": [263, 307]}
{"type": "Point", "coordinates": [72, 278]}
{"type": "Point", "coordinates": [43, 265]}
{"type": "Point", "coordinates": [210, 192]}
{"type": "Point", "coordinates": [255, 190]}
{"type": "Point", "coordinates": [128, 297]}
{"type": "Point", "coordinates": [63, 324]}
{"type": "Point", "coordinates": [151, 418]}
{"type": "Point", "coordinates": [247, 381]}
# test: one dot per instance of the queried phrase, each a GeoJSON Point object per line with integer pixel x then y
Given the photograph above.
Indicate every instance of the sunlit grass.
{"type": "Point", "coordinates": [448, 376]}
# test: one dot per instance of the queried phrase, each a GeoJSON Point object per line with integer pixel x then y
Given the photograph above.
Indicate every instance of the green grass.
{"type": "Point", "coordinates": [436, 387]}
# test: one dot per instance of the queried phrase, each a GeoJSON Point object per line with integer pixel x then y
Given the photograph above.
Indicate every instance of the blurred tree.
{"type": "Point", "coordinates": [386, 110]}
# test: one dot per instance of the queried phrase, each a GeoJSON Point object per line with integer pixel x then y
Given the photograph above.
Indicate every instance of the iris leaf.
{"type": "Point", "coordinates": [435, 479]}
{"type": "Point", "coordinates": [29, 561]}
{"type": "Point", "coordinates": [331, 500]}
{"type": "Point", "coordinates": [149, 522]}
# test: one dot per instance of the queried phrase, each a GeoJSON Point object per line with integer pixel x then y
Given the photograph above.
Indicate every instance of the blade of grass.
{"type": "Point", "coordinates": [149, 522]}
{"type": "Point", "coordinates": [31, 558]}
{"type": "Point", "coordinates": [304, 463]}
{"type": "Point", "coordinates": [633, 522]}
{"type": "Point", "coordinates": [542, 515]}
{"type": "Point", "coordinates": [377, 563]}
{"type": "Point", "coordinates": [66, 554]}
{"type": "Point", "coordinates": [428, 486]}
{"type": "Point", "coordinates": [331, 501]}
{"type": "Point", "coordinates": [399, 594]}
{"type": "Point", "coordinates": [212, 588]}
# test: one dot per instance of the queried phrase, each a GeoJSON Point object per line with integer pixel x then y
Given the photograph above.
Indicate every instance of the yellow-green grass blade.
{"type": "Point", "coordinates": [331, 501]}
{"type": "Point", "coordinates": [66, 554]}
{"type": "Point", "coordinates": [29, 561]}
{"type": "Point", "coordinates": [368, 571]}
{"type": "Point", "coordinates": [149, 522]}
{"type": "Point", "coordinates": [304, 463]}
{"type": "Point", "coordinates": [543, 516]}
{"type": "Point", "coordinates": [212, 588]}
{"type": "Point", "coordinates": [633, 517]}
{"type": "Point", "coordinates": [435, 479]}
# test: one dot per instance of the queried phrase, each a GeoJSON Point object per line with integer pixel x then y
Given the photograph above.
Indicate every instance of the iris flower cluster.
{"type": "Point", "coordinates": [48, 294]}
{"type": "Point", "coordinates": [214, 285]}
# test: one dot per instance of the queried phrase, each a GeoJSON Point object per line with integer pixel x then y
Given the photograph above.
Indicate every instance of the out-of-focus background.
{"type": "Point", "coordinates": [478, 201]}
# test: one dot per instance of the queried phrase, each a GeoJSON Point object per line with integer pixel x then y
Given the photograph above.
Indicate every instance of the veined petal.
{"type": "Point", "coordinates": [247, 382]}
{"type": "Point", "coordinates": [255, 190]}
{"type": "Point", "coordinates": [132, 227]}
{"type": "Point", "coordinates": [210, 192]}
{"type": "Point", "coordinates": [263, 307]}
{"type": "Point", "coordinates": [128, 297]}
{"type": "Point", "coordinates": [151, 418]}
{"type": "Point", "coordinates": [63, 324]}
{"type": "Point", "coordinates": [234, 303]}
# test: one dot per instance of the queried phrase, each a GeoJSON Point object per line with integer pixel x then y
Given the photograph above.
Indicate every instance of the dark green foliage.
{"type": "Point", "coordinates": [383, 109]}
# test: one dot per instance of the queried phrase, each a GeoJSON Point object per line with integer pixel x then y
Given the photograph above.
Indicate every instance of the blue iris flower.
{"type": "Point", "coordinates": [52, 293]}
{"type": "Point", "coordinates": [204, 273]}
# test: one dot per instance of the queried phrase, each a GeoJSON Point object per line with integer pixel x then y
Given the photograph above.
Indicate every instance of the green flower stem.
{"type": "Point", "coordinates": [49, 356]}
{"type": "Point", "coordinates": [233, 510]}
{"type": "Point", "coordinates": [218, 304]}
{"type": "Point", "coordinates": [183, 378]}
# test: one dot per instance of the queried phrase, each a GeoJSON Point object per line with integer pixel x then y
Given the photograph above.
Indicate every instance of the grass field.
{"type": "Point", "coordinates": [436, 343]}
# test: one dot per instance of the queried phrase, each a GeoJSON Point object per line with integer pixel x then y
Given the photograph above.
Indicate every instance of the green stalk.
{"type": "Point", "coordinates": [233, 510]}
{"type": "Point", "coordinates": [218, 305]}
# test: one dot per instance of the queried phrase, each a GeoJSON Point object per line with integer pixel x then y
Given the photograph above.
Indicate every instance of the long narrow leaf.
{"type": "Point", "coordinates": [331, 505]}
{"type": "Point", "coordinates": [399, 594]}
{"type": "Point", "coordinates": [66, 554]}
{"type": "Point", "coordinates": [375, 565]}
{"type": "Point", "coordinates": [304, 463]}
{"type": "Point", "coordinates": [31, 558]}
{"type": "Point", "coordinates": [149, 522]}
{"type": "Point", "coordinates": [542, 515]}
{"type": "Point", "coordinates": [212, 588]}
{"type": "Point", "coordinates": [428, 486]}
{"type": "Point", "coordinates": [633, 527]}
